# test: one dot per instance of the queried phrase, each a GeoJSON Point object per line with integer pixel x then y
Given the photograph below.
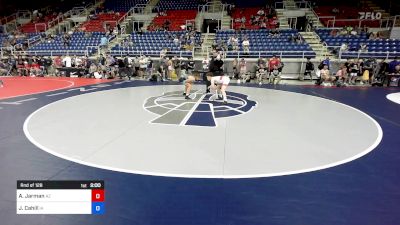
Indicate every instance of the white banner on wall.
{"type": "Point", "coordinates": [370, 15]}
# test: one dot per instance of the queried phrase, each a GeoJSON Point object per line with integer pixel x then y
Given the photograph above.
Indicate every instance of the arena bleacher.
{"type": "Point", "coordinates": [264, 45]}
{"type": "Point", "coordinates": [247, 13]}
{"type": "Point", "coordinates": [177, 5]}
{"type": "Point", "coordinates": [377, 48]}
{"type": "Point", "coordinates": [79, 45]}
{"type": "Point", "coordinates": [37, 26]}
{"type": "Point", "coordinates": [151, 43]}
{"type": "Point", "coordinates": [123, 5]}
{"type": "Point", "coordinates": [97, 24]}
{"type": "Point", "coordinates": [177, 18]}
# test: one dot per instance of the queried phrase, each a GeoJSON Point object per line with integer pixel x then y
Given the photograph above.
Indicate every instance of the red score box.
{"type": "Point", "coordinates": [98, 195]}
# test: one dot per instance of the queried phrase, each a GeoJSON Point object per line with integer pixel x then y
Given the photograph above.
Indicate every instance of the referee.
{"type": "Point", "coordinates": [215, 69]}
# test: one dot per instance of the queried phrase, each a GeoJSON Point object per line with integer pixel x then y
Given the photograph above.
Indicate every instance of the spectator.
{"type": "Point", "coordinates": [140, 31]}
{"type": "Point", "coordinates": [166, 25]}
{"type": "Point", "coordinates": [235, 68]}
{"type": "Point", "coordinates": [150, 67]}
{"type": "Point", "coordinates": [66, 39]}
{"type": "Point", "coordinates": [242, 26]}
{"type": "Point", "coordinates": [163, 53]}
{"type": "Point", "coordinates": [363, 47]}
{"type": "Point", "coordinates": [309, 69]}
{"type": "Point", "coordinates": [176, 41]}
{"type": "Point", "coordinates": [261, 12]}
{"type": "Point", "coordinates": [341, 74]}
{"type": "Point", "coordinates": [334, 33]}
{"type": "Point", "coordinates": [136, 63]}
{"type": "Point", "coordinates": [92, 69]}
{"type": "Point", "coordinates": [103, 42]}
{"type": "Point", "coordinates": [327, 62]}
{"type": "Point", "coordinates": [275, 67]}
{"type": "Point", "coordinates": [243, 71]}
{"type": "Point", "coordinates": [344, 47]}
{"type": "Point", "coordinates": [177, 65]}
{"type": "Point", "coordinates": [292, 38]}
{"type": "Point", "coordinates": [299, 39]}
{"type": "Point", "coordinates": [274, 32]}
{"type": "Point", "coordinates": [190, 65]}
{"type": "Point", "coordinates": [354, 71]}
{"type": "Point", "coordinates": [205, 63]}
{"type": "Point", "coordinates": [67, 61]}
{"type": "Point", "coordinates": [263, 24]}
{"type": "Point", "coordinates": [235, 43]}
{"type": "Point", "coordinates": [246, 46]}
{"type": "Point", "coordinates": [393, 64]}
{"type": "Point", "coordinates": [170, 67]}
{"type": "Point", "coordinates": [3, 68]}
{"type": "Point", "coordinates": [353, 32]}
{"type": "Point", "coordinates": [326, 78]}
{"type": "Point", "coordinates": [142, 66]}
{"type": "Point", "coordinates": [260, 70]}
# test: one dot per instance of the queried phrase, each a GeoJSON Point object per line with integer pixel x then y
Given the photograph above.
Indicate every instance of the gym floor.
{"type": "Point", "coordinates": [283, 154]}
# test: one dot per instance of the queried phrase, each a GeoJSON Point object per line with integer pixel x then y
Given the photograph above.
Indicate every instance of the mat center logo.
{"type": "Point", "coordinates": [173, 109]}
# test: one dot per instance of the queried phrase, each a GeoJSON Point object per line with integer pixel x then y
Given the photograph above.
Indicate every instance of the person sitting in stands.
{"type": "Point", "coordinates": [246, 46]}
{"type": "Point", "coordinates": [334, 32]}
{"type": "Point", "coordinates": [242, 26]}
{"type": "Point", "coordinates": [327, 79]}
{"type": "Point", "coordinates": [363, 47]}
{"type": "Point", "coordinates": [343, 32]}
{"type": "Point", "coordinates": [261, 12]}
{"type": "Point", "coordinates": [3, 69]}
{"type": "Point", "coordinates": [166, 24]}
{"type": "Point", "coordinates": [393, 64]}
{"type": "Point", "coordinates": [353, 32]}
{"type": "Point", "coordinates": [341, 74]}
{"type": "Point", "coordinates": [253, 20]}
{"type": "Point", "coordinates": [263, 24]}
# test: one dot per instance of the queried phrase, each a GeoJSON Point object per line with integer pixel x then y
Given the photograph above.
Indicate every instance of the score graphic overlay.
{"type": "Point", "coordinates": [60, 197]}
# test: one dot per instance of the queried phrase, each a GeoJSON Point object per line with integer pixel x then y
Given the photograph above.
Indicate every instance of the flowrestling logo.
{"type": "Point", "coordinates": [172, 108]}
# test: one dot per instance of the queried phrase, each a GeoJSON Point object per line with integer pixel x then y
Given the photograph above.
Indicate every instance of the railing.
{"type": "Point", "coordinates": [77, 11]}
{"type": "Point", "coordinates": [298, 4]}
{"type": "Point", "coordinates": [8, 19]}
{"type": "Point", "coordinates": [127, 14]}
{"type": "Point", "coordinates": [6, 49]}
{"type": "Point", "coordinates": [281, 54]}
{"type": "Point", "coordinates": [89, 50]}
{"type": "Point", "coordinates": [303, 4]}
{"type": "Point", "coordinates": [279, 5]}
{"type": "Point", "coordinates": [359, 54]}
{"type": "Point", "coordinates": [203, 50]}
{"type": "Point", "coordinates": [40, 24]}
{"type": "Point", "coordinates": [139, 8]}
{"type": "Point", "coordinates": [53, 52]}
{"type": "Point", "coordinates": [58, 19]}
{"type": "Point", "coordinates": [383, 23]}
{"type": "Point", "coordinates": [123, 29]}
{"type": "Point", "coordinates": [122, 53]}
{"type": "Point", "coordinates": [327, 48]}
{"type": "Point", "coordinates": [33, 39]}
{"type": "Point", "coordinates": [212, 8]}
{"type": "Point", "coordinates": [24, 14]}
{"type": "Point", "coordinates": [191, 23]}
{"type": "Point", "coordinates": [109, 22]}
